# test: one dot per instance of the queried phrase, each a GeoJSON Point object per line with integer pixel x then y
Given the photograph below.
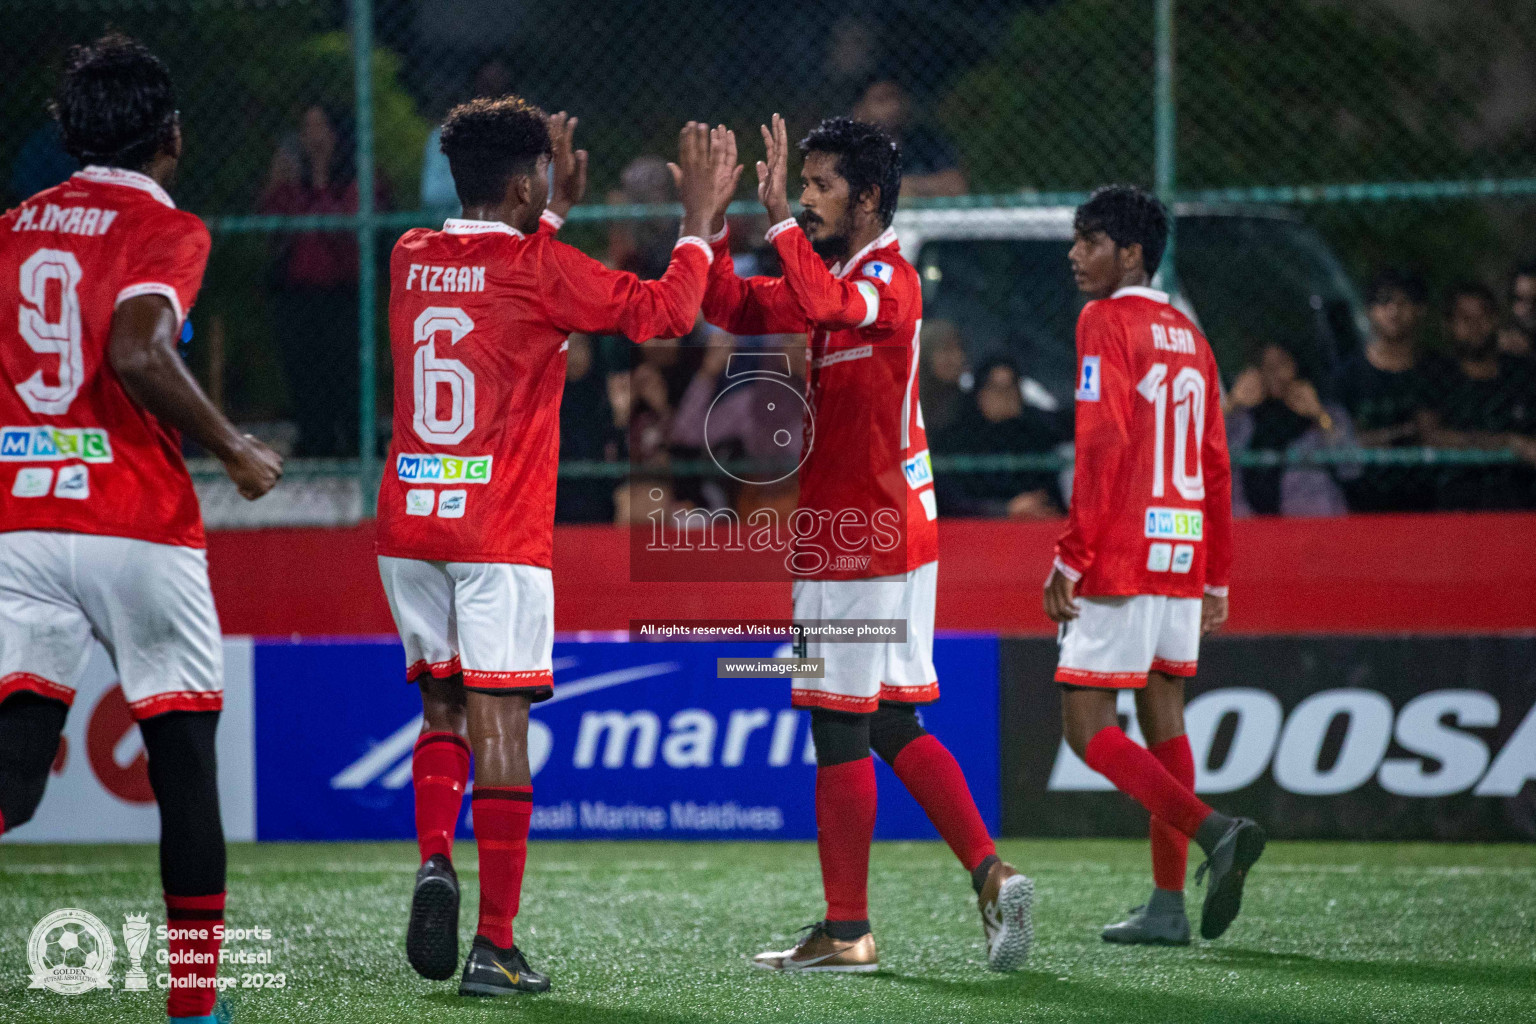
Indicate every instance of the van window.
{"type": "Point", "coordinates": [1250, 280]}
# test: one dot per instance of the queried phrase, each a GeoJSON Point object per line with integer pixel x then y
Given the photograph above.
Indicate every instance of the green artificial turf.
{"type": "Point", "coordinates": [634, 933]}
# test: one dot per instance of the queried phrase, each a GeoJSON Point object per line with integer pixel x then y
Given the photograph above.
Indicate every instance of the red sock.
{"type": "Point", "coordinates": [1170, 847]}
{"type": "Point", "coordinates": [1139, 775]}
{"type": "Point", "coordinates": [845, 826]}
{"type": "Point", "coordinates": [501, 834]}
{"type": "Point", "coordinates": [193, 922]}
{"type": "Point", "coordinates": [439, 773]}
{"type": "Point", "coordinates": [933, 777]}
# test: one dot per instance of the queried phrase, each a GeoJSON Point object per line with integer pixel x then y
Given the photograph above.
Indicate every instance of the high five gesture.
{"type": "Point", "coordinates": [773, 170]}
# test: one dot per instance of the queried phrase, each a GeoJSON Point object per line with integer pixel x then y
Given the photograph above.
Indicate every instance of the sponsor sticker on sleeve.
{"type": "Point", "coordinates": [1088, 380]}
{"type": "Point", "coordinates": [882, 272]}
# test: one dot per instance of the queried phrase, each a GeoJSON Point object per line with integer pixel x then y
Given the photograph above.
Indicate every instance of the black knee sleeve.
{"type": "Point", "coordinates": [892, 727]}
{"type": "Point", "coordinates": [183, 771]}
{"type": "Point", "coordinates": [29, 741]}
{"type": "Point", "coordinates": [839, 736]}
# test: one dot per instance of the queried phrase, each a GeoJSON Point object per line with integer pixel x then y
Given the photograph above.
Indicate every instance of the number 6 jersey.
{"type": "Point", "coordinates": [1152, 486]}
{"type": "Point", "coordinates": [76, 452]}
{"type": "Point", "coordinates": [478, 318]}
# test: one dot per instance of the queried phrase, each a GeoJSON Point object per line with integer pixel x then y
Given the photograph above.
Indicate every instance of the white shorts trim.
{"type": "Point", "coordinates": [494, 622]}
{"type": "Point", "coordinates": [1115, 641]}
{"type": "Point", "coordinates": [860, 675]}
{"type": "Point", "coordinates": [148, 604]}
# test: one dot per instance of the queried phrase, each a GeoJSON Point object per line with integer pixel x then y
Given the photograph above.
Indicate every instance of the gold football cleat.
{"type": "Point", "coordinates": [1005, 903]}
{"type": "Point", "coordinates": [820, 952]}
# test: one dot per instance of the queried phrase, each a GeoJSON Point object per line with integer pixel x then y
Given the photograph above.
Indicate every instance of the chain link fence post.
{"type": "Point", "coordinates": [367, 230]}
{"type": "Point", "coordinates": [1165, 121]}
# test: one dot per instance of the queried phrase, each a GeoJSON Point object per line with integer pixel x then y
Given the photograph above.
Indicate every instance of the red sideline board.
{"type": "Point", "coordinates": [1441, 573]}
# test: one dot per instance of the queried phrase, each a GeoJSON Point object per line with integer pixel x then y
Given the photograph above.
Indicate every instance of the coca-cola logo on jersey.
{"type": "Point", "coordinates": [1337, 740]}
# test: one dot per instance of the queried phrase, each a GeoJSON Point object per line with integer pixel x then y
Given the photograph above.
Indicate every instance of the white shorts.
{"type": "Point", "coordinates": [149, 605]}
{"type": "Point", "coordinates": [860, 675]}
{"type": "Point", "coordinates": [1115, 641]}
{"type": "Point", "coordinates": [492, 622]}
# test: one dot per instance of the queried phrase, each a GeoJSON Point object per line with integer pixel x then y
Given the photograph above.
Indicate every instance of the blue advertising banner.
{"type": "Point", "coordinates": [640, 741]}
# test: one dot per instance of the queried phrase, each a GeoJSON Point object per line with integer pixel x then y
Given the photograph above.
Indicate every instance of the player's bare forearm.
{"type": "Point", "coordinates": [142, 352]}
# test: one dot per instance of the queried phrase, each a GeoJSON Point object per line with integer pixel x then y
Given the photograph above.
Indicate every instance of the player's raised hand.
{"type": "Point", "coordinates": [570, 166]}
{"type": "Point", "coordinates": [694, 178]}
{"type": "Point", "coordinates": [254, 468]}
{"type": "Point", "coordinates": [773, 170]}
{"type": "Point", "coordinates": [725, 171]}
{"type": "Point", "coordinates": [1060, 597]}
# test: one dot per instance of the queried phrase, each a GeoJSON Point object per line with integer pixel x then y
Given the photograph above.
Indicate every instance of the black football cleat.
{"type": "Point", "coordinates": [491, 971]}
{"type": "Point", "coordinates": [1228, 864]}
{"type": "Point", "coordinates": [432, 937]}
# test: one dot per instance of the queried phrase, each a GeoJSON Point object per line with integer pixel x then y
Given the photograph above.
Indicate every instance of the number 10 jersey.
{"type": "Point", "coordinates": [478, 319]}
{"type": "Point", "coordinates": [1152, 485]}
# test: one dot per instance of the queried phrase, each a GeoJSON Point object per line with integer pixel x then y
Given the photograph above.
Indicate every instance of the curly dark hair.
{"type": "Point", "coordinates": [488, 141]}
{"type": "Point", "coordinates": [116, 104]}
{"type": "Point", "coordinates": [1402, 280]}
{"type": "Point", "coordinates": [867, 158]}
{"type": "Point", "coordinates": [1129, 216]}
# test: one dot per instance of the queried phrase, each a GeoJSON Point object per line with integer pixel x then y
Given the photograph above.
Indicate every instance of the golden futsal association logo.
{"type": "Point", "coordinates": [70, 952]}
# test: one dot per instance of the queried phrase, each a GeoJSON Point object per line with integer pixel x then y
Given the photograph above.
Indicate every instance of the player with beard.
{"type": "Point", "coordinates": [848, 288]}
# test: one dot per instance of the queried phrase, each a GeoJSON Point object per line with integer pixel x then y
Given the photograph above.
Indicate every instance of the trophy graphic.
{"type": "Point", "coordinates": [136, 938]}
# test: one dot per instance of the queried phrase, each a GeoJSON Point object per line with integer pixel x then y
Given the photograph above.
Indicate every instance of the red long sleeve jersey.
{"type": "Point", "coordinates": [867, 475]}
{"type": "Point", "coordinates": [478, 319]}
{"type": "Point", "coordinates": [1152, 485]}
{"type": "Point", "coordinates": [77, 453]}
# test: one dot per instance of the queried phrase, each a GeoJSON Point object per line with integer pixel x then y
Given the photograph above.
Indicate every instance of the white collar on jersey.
{"type": "Point", "coordinates": [1145, 293]}
{"type": "Point", "coordinates": [123, 176]}
{"type": "Point", "coordinates": [887, 237]}
{"type": "Point", "coordinates": [460, 226]}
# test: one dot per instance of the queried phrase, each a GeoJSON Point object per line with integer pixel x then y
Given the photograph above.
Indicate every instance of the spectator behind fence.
{"type": "Point", "coordinates": [314, 295]}
{"type": "Point", "coordinates": [943, 373]}
{"type": "Point", "coordinates": [492, 78]}
{"type": "Point", "coordinates": [1479, 398]}
{"type": "Point", "coordinates": [997, 422]}
{"type": "Point", "coordinates": [1272, 408]}
{"type": "Point", "coordinates": [650, 416]}
{"type": "Point", "coordinates": [751, 414]}
{"type": "Point", "coordinates": [1518, 336]}
{"type": "Point", "coordinates": [1382, 388]}
{"type": "Point", "coordinates": [589, 432]}
{"type": "Point", "coordinates": [929, 164]}
{"type": "Point", "coordinates": [643, 247]}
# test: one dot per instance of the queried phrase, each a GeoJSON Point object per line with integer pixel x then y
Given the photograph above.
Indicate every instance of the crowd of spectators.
{"type": "Point", "coordinates": [1461, 380]}
{"type": "Point", "coordinates": [1476, 390]}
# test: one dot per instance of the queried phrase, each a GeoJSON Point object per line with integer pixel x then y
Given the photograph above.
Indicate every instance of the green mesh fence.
{"type": "Point", "coordinates": [1305, 145]}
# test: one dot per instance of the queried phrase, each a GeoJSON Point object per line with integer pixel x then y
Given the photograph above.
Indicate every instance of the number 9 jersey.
{"type": "Point", "coordinates": [76, 452]}
{"type": "Point", "coordinates": [1151, 487]}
